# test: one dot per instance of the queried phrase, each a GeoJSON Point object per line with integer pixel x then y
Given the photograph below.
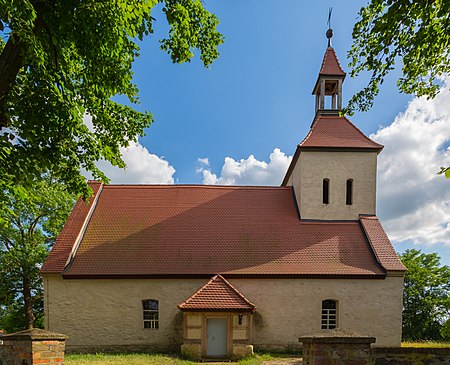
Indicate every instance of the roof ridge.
{"type": "Point", "coordinates": [199, 186]}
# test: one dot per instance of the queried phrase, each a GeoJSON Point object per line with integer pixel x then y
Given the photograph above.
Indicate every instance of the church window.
{"type": "Point", "coordinates": [151, 313]}
{"type": "Point", "coordinates": [326, 191]}
{"type": "Point", "coordinates": [329, 314]}
{"type": "Point", "coordinates": [349, 194]}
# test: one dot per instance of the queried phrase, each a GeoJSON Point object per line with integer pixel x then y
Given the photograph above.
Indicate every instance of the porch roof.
{"type": "Point", "coordinates": [217, 295]}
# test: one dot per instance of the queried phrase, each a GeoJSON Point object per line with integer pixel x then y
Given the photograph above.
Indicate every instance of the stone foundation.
{"type": "Point", "coordinates": [240, 351]}
{"type": "Point", "coordinates": [33, 346]}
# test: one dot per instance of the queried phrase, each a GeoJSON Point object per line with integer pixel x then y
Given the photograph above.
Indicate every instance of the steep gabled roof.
{"type": "Point", "coordinates": [330, 64]}
{"type": "Point", "coordinates": [198, 231]}
{"type": "Point", "coordinates": [217, 295]}
{"type": "Point", "coordinates": [330, 67]}
{"type": "Point", "coordinates": [334, 131]}
{"type": "Point", "coordinates": [380, 243]}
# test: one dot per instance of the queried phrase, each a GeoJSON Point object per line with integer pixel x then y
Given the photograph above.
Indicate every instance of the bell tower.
{"type": "Point", "coordinates": [328, 87]}
{"type": "Point", "coordinates": [333, 171]}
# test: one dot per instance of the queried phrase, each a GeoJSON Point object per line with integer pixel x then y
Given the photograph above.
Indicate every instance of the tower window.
{"type": "Point", "coordinates": [349, 194]}
{"type": "Point", "coordinates": [326, 191]}
{"type": "Point", "coordinates": [329, 314]}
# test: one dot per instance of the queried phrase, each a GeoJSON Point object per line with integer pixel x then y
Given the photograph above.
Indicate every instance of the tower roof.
{"type": "Point", "coordinates": [334, 131]}
{"type": "Point", "coordinates": [330, 67]}
{"type": "Point", "coordinates": [330, 64]}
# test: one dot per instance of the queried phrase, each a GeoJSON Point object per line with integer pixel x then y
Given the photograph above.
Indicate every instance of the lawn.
{"type": "Point", "coordinates": [146, 359]}
{"type": "Point", "coordinates": [427, 344]}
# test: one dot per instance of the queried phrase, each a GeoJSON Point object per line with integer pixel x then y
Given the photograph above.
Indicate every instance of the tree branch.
{"type": "Point", "coordinates": [10, 64]}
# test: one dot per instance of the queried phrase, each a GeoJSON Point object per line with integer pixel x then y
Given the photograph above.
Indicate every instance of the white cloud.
{"type": "Point", "coordinates": [414, 202]}
{"type": "Point", "coordinates": [250, 171]}
{"type": "Point", "coordinates": [143, 167]}
{"type": "Point", "coordinates": [204, 161]}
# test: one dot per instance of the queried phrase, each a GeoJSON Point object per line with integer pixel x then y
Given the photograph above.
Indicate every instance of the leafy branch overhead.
{"type": "Point", "coordinates": [416, 33]}
{"type": "Point", "coordinates": [63, 59]}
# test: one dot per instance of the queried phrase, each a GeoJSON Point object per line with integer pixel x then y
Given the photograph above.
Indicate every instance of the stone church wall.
{"type": "Point", "coordinates": [106, 315]}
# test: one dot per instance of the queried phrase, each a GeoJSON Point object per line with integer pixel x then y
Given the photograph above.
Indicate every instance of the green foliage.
{"type": "Point", "coordinates": [445, 330]}
{"type": "Point", "coordinates": [30, 220]}
{"type": "Point", "coordinates": [415, 32]}
{"type": "Point", "coordinates": [66, 58]}
{"type": "Point", "coordinates": [426, 302]}
{"type": "Point", "coordinates": [445, 171]}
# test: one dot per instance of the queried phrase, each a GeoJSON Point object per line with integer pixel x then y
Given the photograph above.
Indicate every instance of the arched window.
{"type": "Point", "coordinates": [326, 191]}
{"type": "Point", "coordinates": [329, 314]}
{"type": "Point", "coordinates": [150, 312]}
{"type": "Point", "coordinates": [349, 194]}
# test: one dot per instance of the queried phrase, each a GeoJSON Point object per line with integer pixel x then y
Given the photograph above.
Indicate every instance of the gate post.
{"type": "Point", "coordinates": [33, 346]}
{"type": "Point", "coordinates": [337, 347]}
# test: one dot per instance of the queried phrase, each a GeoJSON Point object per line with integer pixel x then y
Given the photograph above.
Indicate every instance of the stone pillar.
{"type": "Point", "coordinates": [337, 347]}
{"type": "Point", "coordinates": [33, 346]}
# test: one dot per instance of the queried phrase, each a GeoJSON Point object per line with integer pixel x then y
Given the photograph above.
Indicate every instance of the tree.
{"type": "Point", "coordinates": [415, 32]}
{"type": "Point", "coordinates": [29, 223]}
{"type": "Point", "coordinates": [62, 59]}
{"type": "Point", "coordinates": [426, 302]}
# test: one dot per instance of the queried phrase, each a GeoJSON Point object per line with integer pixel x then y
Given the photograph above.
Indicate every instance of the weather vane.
{"type": "Point", "coordinates": [329, 31]}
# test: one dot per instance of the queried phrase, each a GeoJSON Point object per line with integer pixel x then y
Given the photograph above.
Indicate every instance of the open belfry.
{"type": "Point", "coordinates": [222, 270]}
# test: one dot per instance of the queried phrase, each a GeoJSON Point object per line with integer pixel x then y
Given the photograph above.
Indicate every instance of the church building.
{"type": "Point", "coordinates": [219, 270]}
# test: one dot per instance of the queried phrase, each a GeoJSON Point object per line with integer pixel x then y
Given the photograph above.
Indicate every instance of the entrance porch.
{"type": "Point", "coordinates": [217, 322]}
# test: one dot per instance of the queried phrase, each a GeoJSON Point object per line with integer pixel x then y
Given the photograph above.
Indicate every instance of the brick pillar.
{"type": "Point", "coordinates": [33, 346]}
{"type": "Point", "coordinates": [337, 347]}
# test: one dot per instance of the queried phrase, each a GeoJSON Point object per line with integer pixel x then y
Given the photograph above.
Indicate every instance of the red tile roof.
{"type": "Point", "coordinates": [179, 230]}
{"type": "Point", "coordinates": [330, 64]}
{"type": "Point", "coordinates": [380, 243]}
{"type": "Point", "coordinates": [217, 295]}
{"type": "Point", "coordinates": [61, 251]}
{"type": "Point", "coordinates": [334, 131]}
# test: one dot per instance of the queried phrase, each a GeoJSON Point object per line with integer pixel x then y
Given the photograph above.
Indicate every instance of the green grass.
{"type": "Point", "coordinates": [150, 359]}
{"type": "Point", "coordinates": [120, 359]}
{"type": "Point", "coordinates": [426, 344]}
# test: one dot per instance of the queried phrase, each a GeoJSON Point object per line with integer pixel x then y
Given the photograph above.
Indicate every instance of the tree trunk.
{"type": "Point", "coordinates": [10, 64]}
{"type": "Point", "coordinates": [29, 315]}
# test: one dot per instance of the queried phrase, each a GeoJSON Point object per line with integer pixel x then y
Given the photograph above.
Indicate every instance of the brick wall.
{"type": "Point", "coordinates": [32, 347]}
{"type": "Point", "coordinates": [411, 356]}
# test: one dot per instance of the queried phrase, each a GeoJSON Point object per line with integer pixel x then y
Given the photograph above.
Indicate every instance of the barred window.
{"type": "Point", "coordinates": [150, 313]}
{"type": "Point", "coordinates": [329, 314]}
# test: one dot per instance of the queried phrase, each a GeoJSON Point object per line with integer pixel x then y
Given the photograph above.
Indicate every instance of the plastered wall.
{"type": "Point", "coordinates": [312, 167]}
{"type": "Point", "coordinates": [100, 315]}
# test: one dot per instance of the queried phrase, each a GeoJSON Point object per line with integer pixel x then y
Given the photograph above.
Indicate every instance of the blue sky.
{"type": "Point", "coordinates": [255, 100]}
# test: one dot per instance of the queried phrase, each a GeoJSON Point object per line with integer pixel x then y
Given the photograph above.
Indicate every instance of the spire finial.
{"type": "Point", "coordinates": [329, 31]}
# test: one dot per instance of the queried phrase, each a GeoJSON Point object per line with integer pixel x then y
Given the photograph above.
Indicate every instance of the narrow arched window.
{"type": "Point", "coordinates": [326, 191]}
{"type": "Point", "coordinates": [151, 313]}
{"type": "Point", "coordinates": [329, 314]}
{"type": "Point", "coordinates": [349, 192]}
